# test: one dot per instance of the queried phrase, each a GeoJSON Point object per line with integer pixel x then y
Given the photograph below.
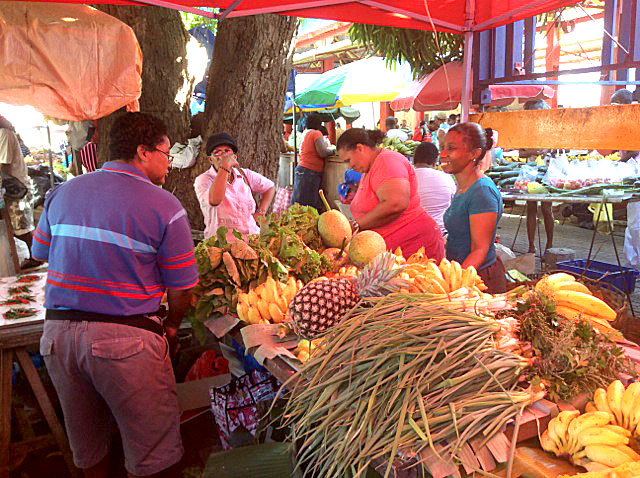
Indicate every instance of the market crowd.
{"type": "Point", "coordinates": [107, 347]}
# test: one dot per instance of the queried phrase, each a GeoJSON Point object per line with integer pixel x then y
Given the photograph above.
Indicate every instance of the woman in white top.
{"type": "Point", "coordinates": [225, 191]}
{"type": "Point", "coordinates": [435, 188]}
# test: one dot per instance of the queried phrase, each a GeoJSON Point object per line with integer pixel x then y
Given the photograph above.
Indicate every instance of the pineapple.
{"type": "Point", "coordinates": [323, 303]}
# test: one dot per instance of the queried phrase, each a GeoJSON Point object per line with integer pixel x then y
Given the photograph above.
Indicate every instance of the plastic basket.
{"type": "Point", "coordinates": [622, 278]}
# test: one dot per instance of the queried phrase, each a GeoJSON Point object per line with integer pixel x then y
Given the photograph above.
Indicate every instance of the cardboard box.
{"type": "Point", "coordinates": [195, 394]}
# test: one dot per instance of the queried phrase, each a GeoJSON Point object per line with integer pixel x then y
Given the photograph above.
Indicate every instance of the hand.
{"type": "Point", "coordinates": [258, 216]}
{"type": "Point", "coordinates": [171, 333]}
{"type": "Point", "coordinates": [228, 161]}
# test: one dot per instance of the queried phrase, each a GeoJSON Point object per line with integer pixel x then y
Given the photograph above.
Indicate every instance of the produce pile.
{"type": "Point", "coordinates": [600, 437]}
{"type": "Point", "coordinates": [408, 148]}
{"type": "Point", "coordinates": [398, 376]}
{"type": "Point", "coordinates": [279, 251]}
{"type": "Point", "coordinates": [573, 354]}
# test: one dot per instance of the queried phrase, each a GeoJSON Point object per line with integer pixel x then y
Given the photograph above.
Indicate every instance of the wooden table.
{"type": "Point", "coordinates": [14, 341]}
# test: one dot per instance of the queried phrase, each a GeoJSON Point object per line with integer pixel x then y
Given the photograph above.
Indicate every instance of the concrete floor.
{"type": "Point", "coordinates": [567, 235]}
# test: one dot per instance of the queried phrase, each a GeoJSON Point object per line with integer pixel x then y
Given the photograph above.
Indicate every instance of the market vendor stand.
{"type": "Point", "coordinates": [16, 337]}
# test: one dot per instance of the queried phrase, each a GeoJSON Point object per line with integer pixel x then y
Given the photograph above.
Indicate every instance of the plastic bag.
{"type": "Point", "coordinates": [184, 156]}
{"type": "Point", "coordinates": [527, 174]}
{"type": "Point", "coordinates": [603, 217]}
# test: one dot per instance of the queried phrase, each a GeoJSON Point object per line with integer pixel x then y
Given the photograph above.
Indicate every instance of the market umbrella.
{"type": "Point", "coordinates": [442, 90]}
{"type": "Point", "coordinates": [362, 81]}
{"type": "Point", "coordinates": [69, 62]}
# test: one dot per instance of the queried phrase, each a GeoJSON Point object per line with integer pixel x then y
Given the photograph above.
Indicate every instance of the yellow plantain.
{"type": "Point", "coordinates": [254, 315]}
{"type": "Point", "coordinates": [628, 398]}
{"type": "Point", "coordinates": [615, 390]}
{"type": "Point", "coordinates": [575, 286]}
{"type": "Point", "coordinates": [469, 276]}
{"type": "Point", "coordinates": [276, 313]}
{"type": "Point", "coordinates": [590, 407]}
{"type": "Point", "coordinates": [618, 429]}
{"type": "Point", "coordinates": [559, 425]}
{"type": "Point", "coordinates": [627, 450]}
{"type": "Point", "coordinates": [455, 276]}
{"type": "Point", "coordinates": [243, 311]}
{"type": "Point", "coordinates": [253, 297]}
{"type": "Point", "coordinates": [445, 268]}
{"type": "Point", "coordinates": [607, 455]}
{"type": "Point", "coordinates": [634, 418]}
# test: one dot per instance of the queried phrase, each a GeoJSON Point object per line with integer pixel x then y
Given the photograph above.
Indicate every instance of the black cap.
{"type": "Point", "coordinates": [218, 139]}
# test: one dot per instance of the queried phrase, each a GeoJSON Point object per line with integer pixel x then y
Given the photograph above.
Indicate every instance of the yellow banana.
{"type": "Point", "coordinates": [584, 421]}
{"type": "Point", "coordinates": [455, 276]}
{"type": "Point", "coordinates": [254, 315]}
{"type": "Point", "coordinates": [431, 267]}
{"type": "Point", "coordinates": [469, 276]}
{"type": "Point", "coordinates": [445, 268]}
{"type": "Point", "coordinates": [600, 400]}
{"type": "Point", "coordinates": [276, 314]}
{"type": "Point", "coordinates": [559, 425]}
{"type": "Point", "coordinates": [263, 307]}
{"type": "Point", "coordinates": [634, 418]}
{"type": "Point", "coordinates": [582, 301]}
{"type": "Point", "coordinates": [601, 436]}
{"type": "Point", "coordinates": [627, 450]}
{"type": "Point", "coordinates": [548, 283]}
{"type": "Point", "coordinates": [243, 310]}
{"type": "Point", "coordinates": [575, 286]}
{"type": "Point", "coordinates": [628, 398]}
{"type": "Point", "coordinates": [299, 284]}
{"type": "Point", "coordinates": [253, 297]}
{"type": "Point", "coordinates": [615, 390]}
{"type": "Point", "coordinates": [548, 444]}
{"type": "Point", "coordinates": [590, 407]}
{"type": "Point", "coordinates": [618, 429]}
{"type": "Point", "coordinates": [607, 455]}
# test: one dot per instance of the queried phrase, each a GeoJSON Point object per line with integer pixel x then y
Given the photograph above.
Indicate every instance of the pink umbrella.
{"type": "Point", "coordinates": [441, 90]}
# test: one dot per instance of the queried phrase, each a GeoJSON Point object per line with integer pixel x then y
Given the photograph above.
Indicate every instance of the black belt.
{"type": "Point", "coordinates": [141, 321]}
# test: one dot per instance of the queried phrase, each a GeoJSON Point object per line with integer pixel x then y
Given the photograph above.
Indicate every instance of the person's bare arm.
{"type": "Point", "coordinates": [219, 186]}
{"type": "Point", "coordinates": [321, 148]}
{"type": "Point", "coordinates": [482, 228]}
{"type": "Point", "coordinates": [393, 195]}
{"type": "Point", "coordinates": [267, 197]}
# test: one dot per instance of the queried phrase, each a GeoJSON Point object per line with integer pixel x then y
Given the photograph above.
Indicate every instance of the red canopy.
{"type": "Point", "coordinates": [442, 90]}
{"type": "Point", "coordinates": [441, 15]}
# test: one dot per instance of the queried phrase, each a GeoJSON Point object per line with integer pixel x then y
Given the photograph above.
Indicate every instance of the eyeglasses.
{"type": "Point", "coordinates": [169, 157]}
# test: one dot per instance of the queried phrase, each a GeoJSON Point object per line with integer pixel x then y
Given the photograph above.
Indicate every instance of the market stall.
{"type": "Point", "coordinates": [409, 360]}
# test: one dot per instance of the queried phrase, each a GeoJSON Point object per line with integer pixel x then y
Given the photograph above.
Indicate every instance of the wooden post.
{"type": "Point", "coordinates": [385, 111]}
{"type": "Point", "coordinates": [331, 128]}
{"type": "Point", "coordinates": [552, 61]}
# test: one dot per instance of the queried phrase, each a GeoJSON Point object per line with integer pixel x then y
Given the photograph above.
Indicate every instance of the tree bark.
{"type": "Point", "coordinates": [245, 97]}
{"type": "Point", "coordinates": [166, 84]}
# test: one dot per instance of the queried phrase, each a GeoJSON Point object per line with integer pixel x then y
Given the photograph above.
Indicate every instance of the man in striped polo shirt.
{"type": "Point", "coordinates": [115, 241]}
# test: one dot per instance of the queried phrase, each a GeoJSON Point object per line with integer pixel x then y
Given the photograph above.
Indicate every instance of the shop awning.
{"type": "Point", "coordinates": [69, 62]}
{"type": "Point", "coordinates": [441, 90]}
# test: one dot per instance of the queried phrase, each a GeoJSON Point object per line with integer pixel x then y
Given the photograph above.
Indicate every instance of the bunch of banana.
{"type": "Point", "coordinates": [448, 277]}
{"type": "Point", "coordinates": [588, 439]}
{"type": "Point", "coordinates": [575, 301]}
{"type": "Point", "coordinates": [623, 404]}
{"type": "Point", "coordinates": [306, 347]}
{"type": "Point", "coordinates": [628, 470]}
{"type": "Point", "coordinates": [268, 302]}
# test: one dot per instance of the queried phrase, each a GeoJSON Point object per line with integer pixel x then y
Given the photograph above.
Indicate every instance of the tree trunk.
{"type": "Point", "coordinates": [245, 97]}
{"type": "Point", "coordinates": [166, 84]}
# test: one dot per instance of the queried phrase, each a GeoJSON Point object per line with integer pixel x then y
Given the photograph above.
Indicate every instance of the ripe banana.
{"type": "Point", "coordinates": [628, 398]}
{"type": "Point", "coordinates": [558, 427]}
{"type": "Point", "coordinates": [615, 390]}
{"type": "Point", "coordinates": [548, 444]}
{"type": "Point", "coordinates": [600, 400]}
{"type": "Point", "coordinates": [586, 302]}
{"type": "Point", "coordinates": [455, 276]}
{"type": "Point", "coordinates": [582, 422]}
{"type": "Point", "coordinates": [601, 436]}
{"type": "Point", "coordinates": [575, 286]}
{"type": "Point", "coordinates": [608, 455]}
{"type": "Point", "coordinates": [590, 407]}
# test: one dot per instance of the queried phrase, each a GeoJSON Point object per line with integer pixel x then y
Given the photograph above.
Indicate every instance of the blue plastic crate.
{"type": "Point", "coordinates": [623, 278]}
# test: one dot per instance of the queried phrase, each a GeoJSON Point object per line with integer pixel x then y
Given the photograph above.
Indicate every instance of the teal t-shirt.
{"type": "Point", "coordinates": [483, 196]}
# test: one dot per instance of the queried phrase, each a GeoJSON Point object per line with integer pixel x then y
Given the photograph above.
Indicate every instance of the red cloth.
{"type": "Point", "coordinates": [414, 228]}
{"type": "Point", "coordinates": [309, 157]}
{"type": "Point", "coordinates": [418, 135]}
{"type": "Point", "coordinates": [88, 156]}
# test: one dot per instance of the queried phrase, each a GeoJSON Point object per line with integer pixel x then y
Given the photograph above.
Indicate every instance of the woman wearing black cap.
{"type": "Point", "coordinates": [225, 191]}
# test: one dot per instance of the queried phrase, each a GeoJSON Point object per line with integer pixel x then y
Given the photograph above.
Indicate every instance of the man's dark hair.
{"type": "Point", "coordinates": [391, 122]}
{"type": "Point", "coordinates": [426, 153]}
{"type": "Point", "coordinates": [622, 97]}
{"type": "Point", "coordinates": [131, 130]}
{"type": "Point", "coordinates": [323, 129]}
{"type": "Point", "coordinates": [453, 117]}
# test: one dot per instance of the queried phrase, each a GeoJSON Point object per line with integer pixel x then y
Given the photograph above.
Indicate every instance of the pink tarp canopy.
{"type": "Point", "coordinates": [442, 90]}
{"type": "Point", "coordinates": [69, 62]}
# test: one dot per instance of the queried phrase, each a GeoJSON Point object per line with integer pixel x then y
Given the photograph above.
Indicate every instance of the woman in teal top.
{"type": "Point", "coordinates": [472, 218]}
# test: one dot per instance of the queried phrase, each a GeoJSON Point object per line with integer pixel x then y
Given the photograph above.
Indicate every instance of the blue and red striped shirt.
{"type": "Point", "coordinates": [114, 242]}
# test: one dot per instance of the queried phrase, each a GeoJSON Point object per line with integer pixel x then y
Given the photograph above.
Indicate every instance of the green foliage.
{"type": "Point", "coordinates": [191, 20]}
{"type": "Point", "coordinates": [425, 51]}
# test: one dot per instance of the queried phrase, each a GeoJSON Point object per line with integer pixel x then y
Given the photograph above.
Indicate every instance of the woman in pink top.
{"type": "Point", "coordinates": [225, 191]}
{"type": "Point", "coordinates": [387, 200]}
